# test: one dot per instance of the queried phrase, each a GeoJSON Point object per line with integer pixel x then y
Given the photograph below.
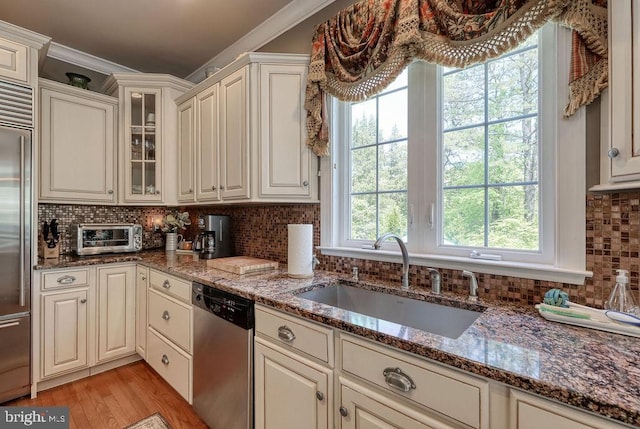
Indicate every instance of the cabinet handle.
{"type": "Point", "coordinates": [158, 192]}
{"type": "Point", "coordinates": [305, 183]}
{"type": "Point", "coordinates": [190, 191]}
{"type": "Point", "coordinates": [343, 411]}
{"type": "Point", "coordinates": [66, 280]}
{"type": "Point", "coordinates": [110, 191]}
{"type": "Point", "coordinates": [143, 277]}
{"type": "Point", "coordinates": [286, 334]}
{"type": "Point", "coordinates": [394, 377]}
{"type": "Point", "coordinates": [319, 395]}
{"type": "Point", "coordinates": [83, 300]}
{"type": "Point", "coordinates": [613, 152]}
{"type": "Point", "coordinates": [213, 188]}
{"type": "Point", "coordinates": [165, 360]}
{"type": "Point", "coordinates": [166, 284]}
{"type": "Point", "coordinates": [165, 315]}
{"type": "Point", "coordinates": [221, 187]}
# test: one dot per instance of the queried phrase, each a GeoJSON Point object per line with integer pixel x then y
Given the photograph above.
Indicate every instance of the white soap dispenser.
{"type": "Point", "coordinates": [621, 298]}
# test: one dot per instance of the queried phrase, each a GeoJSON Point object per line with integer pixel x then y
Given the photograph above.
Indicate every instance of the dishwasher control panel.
{"type": "Point", "coordinates": [230, 307]}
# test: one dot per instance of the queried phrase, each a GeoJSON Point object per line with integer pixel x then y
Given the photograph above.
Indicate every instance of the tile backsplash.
{"type": "Point", "coordinates": [612, 241]}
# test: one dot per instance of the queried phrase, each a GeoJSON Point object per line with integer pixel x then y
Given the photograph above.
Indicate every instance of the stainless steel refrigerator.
{"type": "Point", "coordinates": [15, 263]}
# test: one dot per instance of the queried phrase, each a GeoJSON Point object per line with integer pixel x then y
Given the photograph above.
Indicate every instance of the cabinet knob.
{"type": "Point", "coordinates": [190, 191]}
{"type": "Point", "coordinates": [83, 300]}
{"type": "Point", "coordinates": [221, 187]}
{"type": "Point", "coordinates": [305, 183]}
{"type": "Point", "coordinates": [158, 192]}
{"type": "Point", "coordinates": [110, 191]}
{"type": "Point", "coordinates": [343, 411]}
{"type": "Point", "coordinates": [165, 360]}
{"type": "Point", "coordinates": [613, 152]}
{"type": "Point", "coordinates": [213, 188]}
{"type": "Point", "coordinates": [319, 395]}
{"type": "Point", "coordinates": [286, 334]}
{"type": "Point", "coordinates": [166, 284]}
{"type": "Point", "coordinates": [143, 278]}
{"type": "Point", "coordinates": [165, 315]}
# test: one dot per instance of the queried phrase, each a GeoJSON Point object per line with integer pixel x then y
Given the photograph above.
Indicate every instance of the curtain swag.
{"type": "Point", "coordinates": [360, 51]}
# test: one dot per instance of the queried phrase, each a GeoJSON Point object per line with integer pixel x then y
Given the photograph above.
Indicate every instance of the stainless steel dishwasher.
{"type": "Point", "coordinates": [222, 358]}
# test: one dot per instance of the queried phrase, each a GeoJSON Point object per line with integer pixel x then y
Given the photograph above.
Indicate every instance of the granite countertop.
{"type": "Point", "coordinates": [589, 369]}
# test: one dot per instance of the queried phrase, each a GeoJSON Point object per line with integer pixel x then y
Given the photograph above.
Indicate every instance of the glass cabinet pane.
{"type": "Point", "coordinates": [150, 178]}
{"type": "Point", "coordinates": [143, 143]}
{"type": "Point", "coordinates": [136, 177]}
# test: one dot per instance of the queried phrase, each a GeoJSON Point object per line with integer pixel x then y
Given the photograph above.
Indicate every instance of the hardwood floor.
{"type": "Point", "coordinates": [117, 399]}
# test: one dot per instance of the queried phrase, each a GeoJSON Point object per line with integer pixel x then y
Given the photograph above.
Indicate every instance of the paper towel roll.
{"type": "Point", "coordinates": [300, 256]}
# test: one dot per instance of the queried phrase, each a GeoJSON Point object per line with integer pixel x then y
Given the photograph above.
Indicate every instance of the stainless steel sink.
{"type": "Point", "coordinates": [437, 319]}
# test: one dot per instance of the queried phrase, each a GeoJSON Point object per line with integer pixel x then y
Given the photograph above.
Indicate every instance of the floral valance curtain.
{"type": "Point", "coordinates": [366, 46]}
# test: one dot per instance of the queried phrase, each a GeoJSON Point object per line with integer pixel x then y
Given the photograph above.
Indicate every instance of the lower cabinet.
{"type": "Point", "coordinates": [65, 328]}
{"type": "Point", "coordinates": [291, 392]}
{"type": "Point", "coordinates": [116, 312]}
{"type": "Point", "coordinates": [142, 284]}
{"type": "Point", "coordinates": [172, 363]}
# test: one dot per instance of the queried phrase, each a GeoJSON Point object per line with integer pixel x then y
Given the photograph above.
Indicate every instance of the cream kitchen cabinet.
{"type": "Point", "coordinates": [620, 136]}
{"type": "Point", "coordinates": [116, 311]}
{"type": "Point", "coordinates": [78, 145]}
{"type": "Point", "coordinates": [142, 285]}
{"type": "Point", "coordinates": [19, 50]}
{"type": "Point", "coordinates": [186, 151]}
{"type": "Point", "coordinates": [148, 136]}
{"type": "Point", "coordinates": [249, 136]}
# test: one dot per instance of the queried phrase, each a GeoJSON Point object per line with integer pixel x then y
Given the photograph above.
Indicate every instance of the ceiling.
{"type": "Point", "coordinates": [178, 37]}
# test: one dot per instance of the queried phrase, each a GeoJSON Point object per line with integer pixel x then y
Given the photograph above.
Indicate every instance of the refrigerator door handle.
{"type": "Point", "coordinates": [22, 203]}
{"type": "Point", "coordinates": [9, 323]}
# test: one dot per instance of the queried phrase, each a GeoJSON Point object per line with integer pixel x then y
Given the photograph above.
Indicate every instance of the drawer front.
{"type": "Point", "coordinates": [306, 337]}
{"type": "Point", "coordinates": [13, 60]}
{"type": "Point", "coordinates": [67, 278]}
{"type": "Point", "coordinates": [171, 285]}
{"type": "Point", "coordinates": [171, 318]}
{"type": "Point", "coordinates": [453, 394]}
{"type": "Point", "coordinates": [171, 363]}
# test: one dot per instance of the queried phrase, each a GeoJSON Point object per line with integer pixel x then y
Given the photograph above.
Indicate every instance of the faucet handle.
{"type": "Point", "coordinates": [435, 280]}
{"type": "Point", "coordinates": [473, 285]}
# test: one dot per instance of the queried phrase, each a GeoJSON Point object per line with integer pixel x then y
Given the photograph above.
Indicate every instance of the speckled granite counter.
{"type": "Point", "coordinates": [589, 369]}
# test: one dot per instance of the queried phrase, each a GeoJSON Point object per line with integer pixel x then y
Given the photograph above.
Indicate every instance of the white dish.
{"type": "Point", "coordinates": [601, 325]}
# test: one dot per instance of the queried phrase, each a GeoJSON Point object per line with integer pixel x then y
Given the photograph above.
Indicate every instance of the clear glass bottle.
{"type": "Point", "coordinates": [621, 298]}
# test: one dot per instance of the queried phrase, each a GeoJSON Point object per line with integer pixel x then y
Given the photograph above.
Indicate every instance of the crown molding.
{"type": "Point", "coordinates": [287, 17]}
{"type": "Point", "coordinates": [88, 61]}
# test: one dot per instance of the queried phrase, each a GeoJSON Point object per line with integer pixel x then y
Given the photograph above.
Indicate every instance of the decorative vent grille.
{"type": "Point", "coordinates": [16, 104]}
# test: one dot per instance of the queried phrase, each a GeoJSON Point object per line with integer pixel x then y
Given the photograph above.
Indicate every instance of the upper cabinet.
{"type": "Point", "coordinates": [620, 147]}
{"type": "Point", "coordinates": [148, 137]}
{"type": "Point", "coordinates": [77, 150]}
{"type": "Point", "coordinates": [19, 53]}
{"type": "Point", "coordinates": [248, 134]}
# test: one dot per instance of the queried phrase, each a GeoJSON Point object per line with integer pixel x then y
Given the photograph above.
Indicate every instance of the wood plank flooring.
{"type": "Point", "coordinates": [118, 398]}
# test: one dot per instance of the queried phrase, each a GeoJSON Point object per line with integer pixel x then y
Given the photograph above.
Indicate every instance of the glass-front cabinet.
{"type": "Point", "coordinates": [143, 142]}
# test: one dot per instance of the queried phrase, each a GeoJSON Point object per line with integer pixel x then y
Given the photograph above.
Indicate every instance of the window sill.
{"type": "Point", "coordinates": [501, 268]}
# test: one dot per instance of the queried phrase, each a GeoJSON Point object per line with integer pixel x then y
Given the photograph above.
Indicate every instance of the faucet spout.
{"type": "Point", "coordinates": [473, 285]}
{"type": "Point", "coordinates": [405, 255]}
{"type": "Point", "coordinates": [435, 281]}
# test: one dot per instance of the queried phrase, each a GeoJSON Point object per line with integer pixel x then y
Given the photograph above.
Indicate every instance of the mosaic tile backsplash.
{"type": "Point", "coordinates": [612, 237]}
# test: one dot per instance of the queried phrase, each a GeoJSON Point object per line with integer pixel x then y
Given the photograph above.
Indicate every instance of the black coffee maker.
{"type": "Point", "coordinates": [215, 239]}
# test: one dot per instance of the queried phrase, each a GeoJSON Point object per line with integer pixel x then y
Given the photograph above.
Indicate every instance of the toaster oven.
{"type": "Point", "coordinates": [97, 238]}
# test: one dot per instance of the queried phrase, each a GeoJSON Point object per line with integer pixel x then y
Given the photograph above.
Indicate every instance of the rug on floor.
{"type": "Point", "coordinates": [155, 421]}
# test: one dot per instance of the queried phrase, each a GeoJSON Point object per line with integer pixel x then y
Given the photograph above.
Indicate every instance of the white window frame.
{"type": "Point", "coordinates": [563, 242]}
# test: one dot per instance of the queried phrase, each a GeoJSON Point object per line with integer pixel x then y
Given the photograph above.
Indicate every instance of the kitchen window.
{"type": "Point", "coordinates": [474, 168]}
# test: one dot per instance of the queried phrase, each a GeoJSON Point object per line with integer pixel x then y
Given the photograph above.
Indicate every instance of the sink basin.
{"type": "Point", "coordinates": [437, 319]}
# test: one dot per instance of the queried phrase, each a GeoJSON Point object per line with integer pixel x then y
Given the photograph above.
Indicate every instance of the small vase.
{"type": "Point", "coordinates": [78, 80]}
{"type": "Point", "coordinates": [171, 241]}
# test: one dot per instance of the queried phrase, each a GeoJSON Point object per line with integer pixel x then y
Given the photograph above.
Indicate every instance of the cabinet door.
{"type": "Point", "coordinates": [361, 408]}
{"type": "Point", "coordinates": [64, 331]}
{"type": "Point", "coordinates": [234, 136]}
{"type": "Point", "coordinates": [285, 159]}
{"type": "Point", "coordinates": [186, 146]}
{"type": "Point", "coordinates": [13, 60]}
{"type": "Point", "coordinates": [142, 145]}
{"type": "Point", "coordinates": [208, 145]}
{"type": "Point", "coordinates": [78, 146]}
{"type": "Point", "coordinates": [290, 392]}
{"type": "Point", "coordinates": [142, 283]}
{"type": "Point", "coordinates": [116, 312]}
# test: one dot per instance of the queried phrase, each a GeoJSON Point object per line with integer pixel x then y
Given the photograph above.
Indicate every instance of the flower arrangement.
{"type": "Point", "coordinates": [174, 221]}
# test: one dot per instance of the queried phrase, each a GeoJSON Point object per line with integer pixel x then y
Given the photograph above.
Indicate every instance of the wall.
{"type": "Point", "coordinates": [612, 236]}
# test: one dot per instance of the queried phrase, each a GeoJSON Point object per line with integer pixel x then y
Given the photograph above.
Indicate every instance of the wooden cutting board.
{"type": "Point", "coordinates": [242, 264]}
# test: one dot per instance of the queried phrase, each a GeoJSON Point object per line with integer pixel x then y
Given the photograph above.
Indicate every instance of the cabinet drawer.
{"type": "Point", "coordinates": [449, 392]}
{"type": "Point", "coordinates": [13, 60]}
{"type": "Point", "coordinates": [170, 362]}
{"type": "Point", "coordinates": [68, 278]}
{"type": "Point", "coordinates": [306, 337]}
{"type": "Point", "coordinates": [171, 285]}
{"type": "Point", "coordinates": [171, 318]}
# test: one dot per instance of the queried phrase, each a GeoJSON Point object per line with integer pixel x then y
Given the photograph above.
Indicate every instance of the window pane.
{"type": "Point", "coordinates": [513, 85]}
{"type": "Point", "coordinates": [463, 97]}
{"type": "Point", "coordinates": [513, 151]}
{"type": "Point", "coordinates": [392, 166]}
{"type": "Point", "coordinates": [463, 157]}
{"type": "Point", "coordinates": [363, 217]}
{"type": "Point", "coordinates": [393, 213]}
{"type": "Point", "coordinates": [363, 123]}
{"type": "Point", "coordinates": [513, 217]}
{"type": "Point", "coordinates": [392, 119]}
{"type": "Point", "coordinates": [463, 217]}
{"type": "Point", "coordinates": [363, 169]}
